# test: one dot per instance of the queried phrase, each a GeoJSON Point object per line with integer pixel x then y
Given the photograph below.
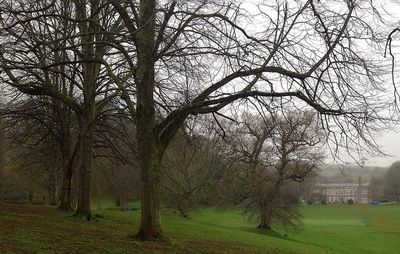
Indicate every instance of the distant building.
{"type": "Point", "coordinates": [341, 193]}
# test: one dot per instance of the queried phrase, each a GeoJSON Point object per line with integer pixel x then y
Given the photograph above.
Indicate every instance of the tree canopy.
{"type": "Point", "coordinates": [161, 63]}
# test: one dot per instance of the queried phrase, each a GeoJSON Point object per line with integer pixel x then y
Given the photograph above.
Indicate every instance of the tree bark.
{"type": "Point", "coordinates": [52, 190]}
{"type": "Point", "coordinates": [70, 163]}
{"type": "Point", "coordinates": [265, 216]}
{"type": "Point", "coordinates": [91, 54]}
{"type": "Point", "coordinates": [85, 173]}
{"type": "Point", "coordinates": [149, 146]}
{"type": "Point", "coordinates": [70, 153]}
{"type": "Point", "coordinates": [66, 190]}
{"type": "Point", "coordinates": [183, 208]}
{"type": "Point", "coordinates": [118, 201]}
{"type": "Point", "coordinates": [30, 195]}
{"type": "Point", "coordinates": [66, 186]}
{"type": "Point", "coordinates": [150, 226]}
{"type": "Point", "coordinates": [98, 203]}
{"type": "Point", "coordinates": [265, 205]}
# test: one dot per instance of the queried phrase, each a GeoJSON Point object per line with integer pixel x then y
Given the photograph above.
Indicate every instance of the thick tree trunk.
{"type": "Point", "coordinates": [265, 218]}
{"type": "Point", "coordinates": [92, 54]}
{"type": "Point", "coordinates": [85, 172]}
{"type": "Point", "coordinates": [265, 205]}
{"type": "Point", "coordinates": [150, 149]}
{"type": "Point", "coordinates": [150, 226]}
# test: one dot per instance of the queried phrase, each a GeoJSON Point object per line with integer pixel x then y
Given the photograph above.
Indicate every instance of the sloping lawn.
{"type": "Point", "coordinates": [327, 229]}
{"type": "Point", "coordinates": [352, 229]}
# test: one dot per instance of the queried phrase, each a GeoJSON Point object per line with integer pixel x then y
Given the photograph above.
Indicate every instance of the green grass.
{"type": "Point", "coordinates": [108, 204]}
{"type": "Point", "coordinates": [352, 229]}
{"type": "Point", "coordinates": [327, 229]}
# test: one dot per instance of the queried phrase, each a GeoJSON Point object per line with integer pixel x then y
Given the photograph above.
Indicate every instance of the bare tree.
{"type": "Point", "coordinates": [174, 59]}
{"type": "Point", "coordinates": [190, 165]}
{"type": "Point", "coordinates": [36, 165]}
{"type": "Point", "coordinates": [117, 181]}
{"type": "Point", "coordinates": [116, 155]}
{"type": "Point", "coordinates": [34, 149]}
{"type": "Point", "coordinates": [192, 58]}
{"type": "Point", "coordinates": [267, 155]}
{"type": "Point", "coordinates": [50, 117]}
{"type": "Point", "coordinates": [56, 49]}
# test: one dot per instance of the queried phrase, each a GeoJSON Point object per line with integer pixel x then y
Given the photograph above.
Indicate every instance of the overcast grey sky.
{"type": "Point", "coordinates": [389, 140]}
{"type": "Point", "coordinates": [390, 143]}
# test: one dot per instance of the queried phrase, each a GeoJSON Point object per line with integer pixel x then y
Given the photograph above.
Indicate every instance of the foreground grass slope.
{"type": "Point", "coordinates": [327, 229]}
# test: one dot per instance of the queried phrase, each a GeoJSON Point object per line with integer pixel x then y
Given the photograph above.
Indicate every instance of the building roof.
{"type": "Point", "coordinates": [341, 185]}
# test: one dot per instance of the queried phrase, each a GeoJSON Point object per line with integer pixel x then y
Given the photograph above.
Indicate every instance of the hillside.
{"type": "Point", "coordinates": [350, 173]}
{"type": "Point", "coordinates": [327, 229]}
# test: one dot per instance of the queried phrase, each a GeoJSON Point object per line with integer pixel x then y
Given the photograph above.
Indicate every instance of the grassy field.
{"type": "Point", "coordinates": [327, 229]}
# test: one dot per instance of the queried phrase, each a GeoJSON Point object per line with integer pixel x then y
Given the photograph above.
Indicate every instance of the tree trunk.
{"type": "Point", "coordinates": [69, 163]}
{"type": "Point", "coordinates": [98, 203]}
{"type": "Point", "coordinates": [118, 201]}
{"type": "Point", "coordinates": [66, 190]}
{"type": "Point", "coordinates": [51, 194]}
{"type": "Point", "coordinates": [183, 208]}
{"type": "Point", "coordinates": [52, 190]}
{"type": "Point", "coordinates": [265, 217]}
{"type": "Point", "coordinates": [150, 149]}
{"type": "Point", "coordinates": [85, 172]}
{"type": "Point", "coordinates": [150, 226]}
{"type": "Point", "coordinates": [91, 53]}
{"type": "Point", "coordinates": [265, 204]}
{"type": "Point", "coordinates": [30, 195]}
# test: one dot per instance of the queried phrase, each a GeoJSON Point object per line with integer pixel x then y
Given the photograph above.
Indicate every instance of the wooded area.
{"type": "Point", "coordinates": [189, 103]}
